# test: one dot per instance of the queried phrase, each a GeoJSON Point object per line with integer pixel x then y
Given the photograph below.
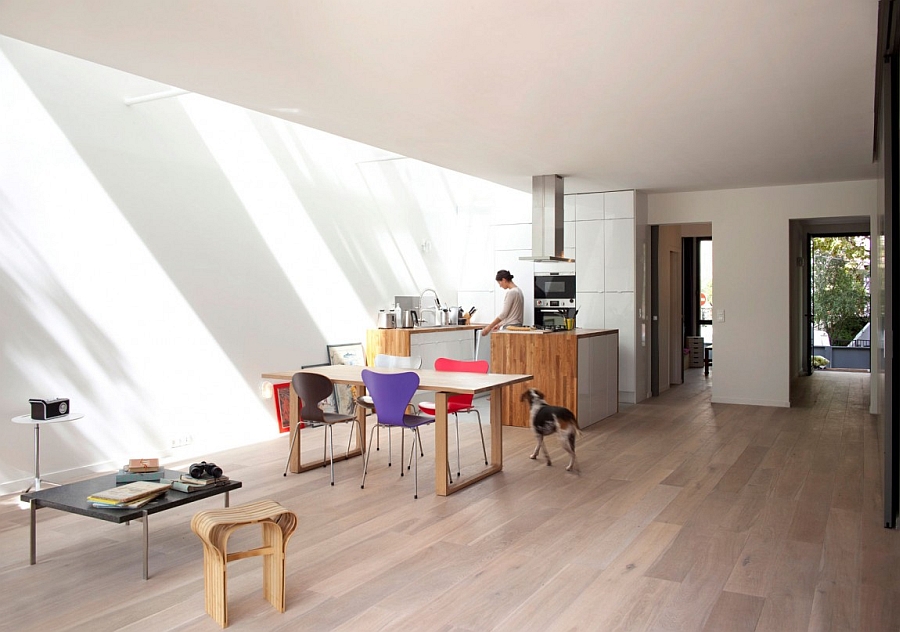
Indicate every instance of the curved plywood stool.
{"type": "Point", "coordinates": [215, 526]}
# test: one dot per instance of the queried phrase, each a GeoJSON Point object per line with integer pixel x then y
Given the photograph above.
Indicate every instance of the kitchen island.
{"type": "Point", "coordinates": [431, 343]}
{"type": "Point", "coordinates": [578, 369]}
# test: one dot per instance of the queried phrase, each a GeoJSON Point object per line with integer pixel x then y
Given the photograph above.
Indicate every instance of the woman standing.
{"type": "Point", "coordinates": [513, 304]}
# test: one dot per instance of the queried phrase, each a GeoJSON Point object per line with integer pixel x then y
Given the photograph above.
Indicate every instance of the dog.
{"type": "Point", "coordinates": [546, 419]}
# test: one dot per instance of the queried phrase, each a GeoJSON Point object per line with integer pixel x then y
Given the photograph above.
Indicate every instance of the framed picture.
{"type": "Point", "coordinates": [283, 406]}
{"type": "Point", "coordinates": [351, 353]}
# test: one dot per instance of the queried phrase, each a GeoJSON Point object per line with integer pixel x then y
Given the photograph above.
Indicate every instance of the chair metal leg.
{"type": "Point", "coordinates": [366, 461]}
{"type": "Point", "coordinates": [331, 432]}
{"type": "Point", "coordinates": [458, 466]}
{"type": "Point", "coordinates": [350, 438]}
{"type": "Point", "coordinates": [483, 446]}
{"type": "Point", "coordinates": [416, 439]}
{"type": "Point", "coordinates": [402, 449]}
{"type": "Point", "coordinates": [421, 449]}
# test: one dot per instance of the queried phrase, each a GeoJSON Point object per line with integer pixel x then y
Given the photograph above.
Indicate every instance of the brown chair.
{"type": "Point", "coordinates": [312, 389]}
{"type": "Point", "coordinates": [214, 528]}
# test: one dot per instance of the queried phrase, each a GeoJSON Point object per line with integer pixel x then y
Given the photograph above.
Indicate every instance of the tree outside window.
{"type": "Point", "coordinates": [841, 286]}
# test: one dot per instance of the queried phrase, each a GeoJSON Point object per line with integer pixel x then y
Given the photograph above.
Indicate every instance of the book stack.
{"type": "Point", "coordinates": [129, 496]}
{"type": "Point", "coordinates": [190, 484]}
{"type": "Point", "coordinates": [140, 470]}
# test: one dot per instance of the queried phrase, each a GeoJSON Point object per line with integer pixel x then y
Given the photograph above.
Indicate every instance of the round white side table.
{"type": "Point", "coordinates": [26, 419]}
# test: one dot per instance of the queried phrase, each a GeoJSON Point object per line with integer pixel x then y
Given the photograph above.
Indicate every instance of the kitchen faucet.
{"type": "Point", "coordinates": [433, 310]}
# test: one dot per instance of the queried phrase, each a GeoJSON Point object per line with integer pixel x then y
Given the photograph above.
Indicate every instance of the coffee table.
{"type": "Point", "coordinates": [73, 499]}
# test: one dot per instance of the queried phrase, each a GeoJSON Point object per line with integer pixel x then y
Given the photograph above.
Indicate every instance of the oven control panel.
{"type": "Point", "coordinates": [561, 303]}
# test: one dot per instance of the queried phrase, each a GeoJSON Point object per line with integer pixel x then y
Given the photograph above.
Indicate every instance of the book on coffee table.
{"type": "Point", "coordinates": [129, 492]}
{"type": "Point", "coordinates": [186, 486]}
{"type": "Point", "coordinates": [133, 504]}
{"type": "Point", "coordinates": [142, 465]}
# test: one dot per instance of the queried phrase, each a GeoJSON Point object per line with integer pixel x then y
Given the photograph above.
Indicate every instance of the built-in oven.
{"type": "Point", "coordinates": [554, 286]}
{"type": "Point", "coordinates": [554, 300]}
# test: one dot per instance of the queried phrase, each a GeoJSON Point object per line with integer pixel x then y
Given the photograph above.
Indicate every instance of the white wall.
{"type": "Point", "coordinates": [751, 260]}
{"type": "Point", "coordinates": [156, 259]}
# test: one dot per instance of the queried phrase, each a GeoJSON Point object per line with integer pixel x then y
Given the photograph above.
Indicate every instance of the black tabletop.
{"type": "Point", "coordinates": [73, 498]}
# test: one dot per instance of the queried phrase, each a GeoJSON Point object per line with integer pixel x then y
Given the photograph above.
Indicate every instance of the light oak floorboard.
{"type": "Point", "coordinates": [687, 515]}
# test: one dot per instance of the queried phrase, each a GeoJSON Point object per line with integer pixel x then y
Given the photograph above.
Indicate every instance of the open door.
{"type": "Point", "coordinates": [808, 345]}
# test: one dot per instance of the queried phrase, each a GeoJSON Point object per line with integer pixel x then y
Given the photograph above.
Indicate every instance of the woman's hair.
{"type": "Point", "coordinates": [503, 274]}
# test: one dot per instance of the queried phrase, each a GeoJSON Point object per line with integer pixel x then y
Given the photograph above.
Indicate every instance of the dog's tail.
{"type": "Point", "coordinates": [574, 423]}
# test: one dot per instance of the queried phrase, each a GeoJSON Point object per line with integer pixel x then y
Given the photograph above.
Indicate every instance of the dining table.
{"type": "Point", "coordinates": [443, 384]}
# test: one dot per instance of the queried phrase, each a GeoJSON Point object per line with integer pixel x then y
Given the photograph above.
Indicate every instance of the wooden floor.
{"type": "Point", "coordinates": [686, 516]}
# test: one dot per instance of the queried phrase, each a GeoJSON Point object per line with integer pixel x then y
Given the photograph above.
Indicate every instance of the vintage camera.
{"type": "Point", "coordinates": [48, 408]}
{"type": "Point", "coordinates": [201, 469]}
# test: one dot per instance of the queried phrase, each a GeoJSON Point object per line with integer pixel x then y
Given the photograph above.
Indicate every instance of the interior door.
{"type": "Point", "coordinates": [810, 316]}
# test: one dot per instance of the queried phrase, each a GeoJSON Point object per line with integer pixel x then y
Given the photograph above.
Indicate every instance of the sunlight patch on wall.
{"type": "Point", "coordinates": [95, 318]}
{"type": "Point", "coordinates": [272, 204]}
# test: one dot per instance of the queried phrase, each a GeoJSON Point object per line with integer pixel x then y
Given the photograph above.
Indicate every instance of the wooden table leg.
{"type": "Point", "coordinates": [497, 428]}
{"type": "Point", "coordinates": [294, 420]}
{"type": "Point", "coordinates": [441, 455]}
{"type": "Point", "coordinates": [442, 486]}
{"type": "Point", "coordinates": [360, 424]}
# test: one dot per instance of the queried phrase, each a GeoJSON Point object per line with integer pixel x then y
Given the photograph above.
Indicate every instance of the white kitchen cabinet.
{"type": "Point", "coordinates": [618, 271]}
{"type": "Point", "coordinates": [569, 207]}
{"type": "Point", "coordinates": [597, 378]}
{"type": "Point", "coordinates": [590, 246]}
{"type": "Point", "coordinates": [589, 206]}
{"type": "Point", "coordinates": [620, 310]}
{"type": "Point", "coordinates": [618, 205]}
{"type": "Point", "coordinates": [457, 344]}
{"type": "Point", "coordinates": [591, 310]}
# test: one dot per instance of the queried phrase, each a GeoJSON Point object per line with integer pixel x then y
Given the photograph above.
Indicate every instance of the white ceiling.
{"type": "Point", "coordinates": [658, 95]}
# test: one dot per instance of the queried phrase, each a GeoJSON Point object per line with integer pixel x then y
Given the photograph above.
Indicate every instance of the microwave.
{"type": "Point", "coordinates": [554, 286]}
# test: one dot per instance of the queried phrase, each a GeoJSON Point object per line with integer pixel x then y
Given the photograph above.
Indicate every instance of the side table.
{"type": "Point", "coordinates": [26, 419]}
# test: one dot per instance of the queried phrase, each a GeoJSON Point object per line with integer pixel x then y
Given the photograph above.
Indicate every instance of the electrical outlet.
{"type": "Point", "coordinates": [181, 441]}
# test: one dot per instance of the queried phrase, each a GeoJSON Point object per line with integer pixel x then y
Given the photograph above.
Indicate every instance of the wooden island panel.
{"type": "Point", "coordinates": [553, 361]}
{"type": "Point", "coordinates": [552, 358]}
{"type": "Point", "coordinates": [389, 341]}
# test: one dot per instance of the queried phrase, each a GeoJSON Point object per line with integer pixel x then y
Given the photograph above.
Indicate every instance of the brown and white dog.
{"type": "Point", "coordinates": [546, 419]}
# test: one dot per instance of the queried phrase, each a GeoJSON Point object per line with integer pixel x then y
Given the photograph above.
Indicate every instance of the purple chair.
{"type": "Point", "coordinates": [391, 394]}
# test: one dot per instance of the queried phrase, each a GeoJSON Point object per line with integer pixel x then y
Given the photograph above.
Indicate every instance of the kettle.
{"type": "Point", "coordinates": [386, 320]}
{"type": "Point", "coordinates": [409, 319]}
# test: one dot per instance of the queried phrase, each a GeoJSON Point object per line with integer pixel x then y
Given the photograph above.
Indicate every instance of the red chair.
{"type": "Point", "coordinates": [459, 403]}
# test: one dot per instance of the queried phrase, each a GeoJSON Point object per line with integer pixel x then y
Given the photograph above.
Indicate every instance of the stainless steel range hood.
{"type": "Point", "coordinates": [547, 219]}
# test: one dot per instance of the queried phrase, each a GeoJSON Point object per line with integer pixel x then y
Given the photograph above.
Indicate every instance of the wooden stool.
{"type": "Point", "coordinates": [215, 526]}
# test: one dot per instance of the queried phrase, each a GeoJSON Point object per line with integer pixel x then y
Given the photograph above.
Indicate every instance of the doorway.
{"type": "Point", "coordinates": [839, 301]}
{"type": "Point", "coordinates": [675, 298]}
{"type": "Point", "coordinates": [835, 296]}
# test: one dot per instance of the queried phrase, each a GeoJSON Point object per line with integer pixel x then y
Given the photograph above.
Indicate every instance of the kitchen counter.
{"type": "Point", "coordinates": [578, 333]}
{"type": "Point", "coordinates": [431, 328]}
{"type": "Point", "coordinates": [578, 369]}
{"type": "Point", "coordinates": [452, 341]}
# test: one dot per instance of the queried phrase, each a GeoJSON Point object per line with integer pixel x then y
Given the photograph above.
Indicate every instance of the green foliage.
{"type": "Point", "coordinates": [841, 285]}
